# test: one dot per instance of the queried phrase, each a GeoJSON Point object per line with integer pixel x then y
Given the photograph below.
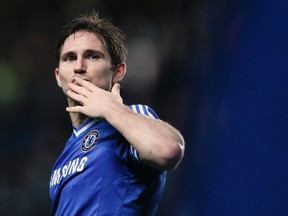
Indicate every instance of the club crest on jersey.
{"type": "Point", "coordinates": [90, 140]}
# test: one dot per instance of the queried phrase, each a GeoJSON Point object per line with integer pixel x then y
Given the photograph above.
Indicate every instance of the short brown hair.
{"type": "Point", "coordinates": [110, 35]}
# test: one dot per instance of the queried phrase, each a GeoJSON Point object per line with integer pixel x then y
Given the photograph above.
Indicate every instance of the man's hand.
{"type": "Point", "coordinates": [94, 101]}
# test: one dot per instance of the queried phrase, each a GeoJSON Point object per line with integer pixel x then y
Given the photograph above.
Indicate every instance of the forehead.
{"type": "Point", "coordinates": [83, 40]}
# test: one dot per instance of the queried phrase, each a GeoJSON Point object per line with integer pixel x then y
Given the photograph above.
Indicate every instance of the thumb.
{"type": "Point", "coordinates": [116, 91]}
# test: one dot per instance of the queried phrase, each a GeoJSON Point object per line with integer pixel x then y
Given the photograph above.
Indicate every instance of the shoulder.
{"type": "Point", "coordinates": [144, 110]}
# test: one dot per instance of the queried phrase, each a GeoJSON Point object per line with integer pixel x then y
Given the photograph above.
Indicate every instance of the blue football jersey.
{"type": "Point", "coordinates": [100, 173]}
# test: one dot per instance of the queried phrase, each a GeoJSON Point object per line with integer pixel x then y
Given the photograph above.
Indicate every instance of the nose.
{"type": "Point", "coordinates": [80, 66]}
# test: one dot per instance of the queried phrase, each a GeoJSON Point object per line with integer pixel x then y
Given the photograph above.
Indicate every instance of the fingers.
{"type": "Point", "coordinates": [74, 109]}
{"type": "Point", "coordinates": [75, 96]}
{"type": "Point", "coordinates": [78, 89]}
{"type": "Point", "coordinates": [81, 82]}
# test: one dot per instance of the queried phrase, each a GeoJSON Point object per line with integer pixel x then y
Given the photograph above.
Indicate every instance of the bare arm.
{"type": "Point", "coordinates": [159, 144]}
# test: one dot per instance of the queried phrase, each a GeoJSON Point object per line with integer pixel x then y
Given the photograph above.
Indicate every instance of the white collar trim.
{"type": "Point", "coordinates": [77, 133]}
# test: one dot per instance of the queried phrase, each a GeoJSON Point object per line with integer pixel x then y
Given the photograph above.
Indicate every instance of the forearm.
{"type": "Point", "coordinates": [159, 144]}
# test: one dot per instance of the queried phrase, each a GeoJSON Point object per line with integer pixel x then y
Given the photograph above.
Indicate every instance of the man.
{"type": "Point", "coordinates": [115, 161]}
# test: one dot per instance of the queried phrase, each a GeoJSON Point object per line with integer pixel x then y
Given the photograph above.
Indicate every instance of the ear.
{"type": "Point", "coordinates": [119, 73]}
{"type": "Point", "coordinates": [58, 77]}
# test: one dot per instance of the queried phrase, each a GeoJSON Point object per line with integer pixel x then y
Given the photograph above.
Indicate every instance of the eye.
{"type": "Point", "coordinates": [69, 58]}
{"type": "Point", "coordinates": [93, 56]}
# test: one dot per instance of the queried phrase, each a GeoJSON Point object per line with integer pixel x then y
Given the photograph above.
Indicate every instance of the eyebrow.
{"type": "Point", "coordinates": [102, 54]}
{"type": "Point", "coordinates": [88, 51]}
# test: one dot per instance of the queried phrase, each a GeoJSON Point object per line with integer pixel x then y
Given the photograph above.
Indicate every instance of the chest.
{"type": "Point", "coordinates": [92, 158]}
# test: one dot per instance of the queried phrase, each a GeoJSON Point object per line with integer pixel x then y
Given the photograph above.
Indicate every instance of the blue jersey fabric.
{"type": "Point", "coordinates": [100, 173]}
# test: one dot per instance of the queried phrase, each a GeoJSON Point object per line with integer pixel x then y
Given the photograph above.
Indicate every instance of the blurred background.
{"type": "Point", "coordinates": [216, 70]}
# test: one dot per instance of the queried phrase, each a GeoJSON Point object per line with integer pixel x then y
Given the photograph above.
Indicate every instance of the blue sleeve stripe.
{"type": "Point", "coordinates": [137, 109]}
{"type": "Point", "coordinates": [144, 110]}
{"type": "Point", "coordinates": [134, 108]}
{"type": "Point", "coordinates": [152, 113]}
{"type": "Point", "coordinates": [135, 154]}
{"type": "Point", "coordinates": [131, 149]}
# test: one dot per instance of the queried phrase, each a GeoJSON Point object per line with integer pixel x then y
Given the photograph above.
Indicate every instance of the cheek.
{"type": "Point", "coordinates": [64, 76]}
{"type": "Point", "coordinates": [104, 80]}
{"type": "Point", "coordinates": [63, 82]}
{"type": "Point", "coordinates": [104, 84]}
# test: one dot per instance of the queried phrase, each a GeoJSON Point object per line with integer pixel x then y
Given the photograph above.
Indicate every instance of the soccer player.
{"type": "Point", "coordinates": [115, 161]}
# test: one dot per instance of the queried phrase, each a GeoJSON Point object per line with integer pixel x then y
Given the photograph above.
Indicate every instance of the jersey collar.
{"type": "Point", "coordinates": [85, 126]}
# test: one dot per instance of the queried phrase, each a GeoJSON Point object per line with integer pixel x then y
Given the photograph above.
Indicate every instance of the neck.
{"type": "Point", "coordinates": [77, 119]}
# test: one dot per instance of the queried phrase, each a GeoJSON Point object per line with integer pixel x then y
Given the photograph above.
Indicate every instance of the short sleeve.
{"type": "Point", "coordinates": [144, 110]}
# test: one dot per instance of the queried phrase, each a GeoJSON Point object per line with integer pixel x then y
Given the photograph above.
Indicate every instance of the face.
{"type": "Point", "coordinates": [84, 55]}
